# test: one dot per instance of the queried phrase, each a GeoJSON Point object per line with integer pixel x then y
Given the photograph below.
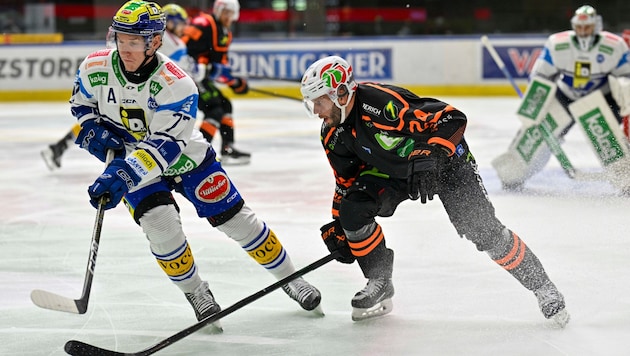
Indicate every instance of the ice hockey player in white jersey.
{"type": "Point", "coordinates": [578, 62]}
{"type": "Point", "coordinates": [172, 44]}
{"type": "Point", "coordinates": [136, 102]}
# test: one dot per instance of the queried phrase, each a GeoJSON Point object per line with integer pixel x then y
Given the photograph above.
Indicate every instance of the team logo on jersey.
{"type": "Point", "coordinates": [214, 188]}
{"type": "Point", "coordinates": [387, 142]}
{"type": "Point", "coordinates": [151, 103]}
{"type": "Point", "coordinates": [391, 111]}
{"type": "Point", "coordinates": [98, 78]}
{"type": "Point", "coordinates": [134, 121]}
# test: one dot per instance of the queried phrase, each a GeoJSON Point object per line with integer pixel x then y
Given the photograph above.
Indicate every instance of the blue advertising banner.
{"type": "Point", "coordinates": [368, 64]}
{"type": "Point", "coordinates": [518, 60]}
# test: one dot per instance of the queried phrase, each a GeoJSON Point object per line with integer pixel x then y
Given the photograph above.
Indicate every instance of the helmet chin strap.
{"type": "Point", "coordinates": [343, 107]}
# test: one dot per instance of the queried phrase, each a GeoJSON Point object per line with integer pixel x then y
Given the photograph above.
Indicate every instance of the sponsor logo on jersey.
{"type": "Point", "coordinates": [101, 53]}
{"type": "Point", "coordinates": [214, 188]}
{"type": "Point", "coordinates": [173, 69]}
{"type": "Point", "coordinates": [98, 78]}
{"type": "Point", "coordinates": [387, 142]}
{"type": "Point", "coordinates": [406, 148]}
{"type": "Point", "coordinates": [372, 110]}
{"type": "Point", "coordinates": [582, 74]}
{"type": "Point", "coordinates": [184, 164]}
{"type": "Point", "coordinates": [143, 162]}
{"type": "Point", "coordinates": [167, 78]}
{"type": "Point", "coordinates": [155, 88]}
{"type": "Point", "coordinates": [96, 64]}
{"type": "Point", "coordinates": [391, 111]}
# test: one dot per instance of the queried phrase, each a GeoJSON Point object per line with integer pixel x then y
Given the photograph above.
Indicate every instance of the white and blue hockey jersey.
{"type": "Point", "coordinates": [156, 118]}
{"type": "Point", "coordinates": [578, 73]}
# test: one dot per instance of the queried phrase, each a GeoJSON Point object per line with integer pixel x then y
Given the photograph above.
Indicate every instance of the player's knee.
{"type": "Point", "coordinates": [163, 228]}
{"type": "Point", "coordinates": [152, 201]}
{"type": "Point", "coordinates": [357, 210]}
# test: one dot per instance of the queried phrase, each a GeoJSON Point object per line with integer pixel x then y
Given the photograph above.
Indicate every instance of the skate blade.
{"type": "Point", "coordinates": [561, 318]}
{"type": "Point", "coordinates": [380, 309]}
{"type": "Point", "coordinates": [213, 328]}
{"type": "Point", "coordinates": [47, 156]}
{"type": "Point", "coordinates": [318, 311]}
{"type": "Point", "coordinates": [230, 161]}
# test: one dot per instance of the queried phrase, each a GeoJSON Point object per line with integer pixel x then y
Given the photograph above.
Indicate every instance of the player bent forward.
{"type": "Point", "coordinates": [387, 145]}
{"type": "Point", "coordinates": [137, 102]}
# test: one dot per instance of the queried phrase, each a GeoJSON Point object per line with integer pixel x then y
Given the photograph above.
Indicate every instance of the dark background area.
{"type": "Point", "coordinates": [88, 20]}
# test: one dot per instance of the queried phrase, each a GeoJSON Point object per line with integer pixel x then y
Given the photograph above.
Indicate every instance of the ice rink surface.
{"type": "Point", "coordinates": [450, 299]}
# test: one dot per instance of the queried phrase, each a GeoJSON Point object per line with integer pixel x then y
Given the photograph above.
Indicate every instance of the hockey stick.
{"type": "Point", "coordinates": [53, 301]}
{"type": "Point", "coordinates": [271, 93]}
{"type": "Point", "coordinates": [74, 347]}
{"type": "Point", "coordinates": [292, 80]}
{"type": "Point", "coordinates": [550, 139]}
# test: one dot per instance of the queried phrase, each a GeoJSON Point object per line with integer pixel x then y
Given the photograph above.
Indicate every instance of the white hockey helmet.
{"type": "Point", "coordinates": [331, 76]}
{"type": "Point", "coordinates": [586, 15]}
{"type": "Point", "coordinates": [220, 5]}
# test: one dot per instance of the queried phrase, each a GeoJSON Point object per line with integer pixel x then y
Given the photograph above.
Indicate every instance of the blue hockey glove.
{"type": "Point", "coordinates": [423, 171]}
{"type": "Point", "coordinates": [112, 184]}
{"type": "Point", "coordinates": [220, 73]}
{"type": "Point", "coordinates": [97, 138]}
{"type": "Point", "coordinates": [335, 239]}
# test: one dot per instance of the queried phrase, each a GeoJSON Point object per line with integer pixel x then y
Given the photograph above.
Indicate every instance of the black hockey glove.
{"type": "Point", "coordinates": [239, 85]}
{"type": "Point", "coordinates": [335, 240]}
{"type": "Point", "coordinates": [423, 171]}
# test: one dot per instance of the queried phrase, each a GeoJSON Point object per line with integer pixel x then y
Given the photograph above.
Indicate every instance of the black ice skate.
{"type": "Point", "coordinates": [374, 300]}
{"type": "Point", "coordinates": [52, 156]}
{"type": "Point", "coordinates": [233, 157]}
{"type": "Point", "coordinates": [305, 294]}
{"type": "Point", "coordinates": [551, 303]}
{"type": "Point", "coordinates": [204, 304]}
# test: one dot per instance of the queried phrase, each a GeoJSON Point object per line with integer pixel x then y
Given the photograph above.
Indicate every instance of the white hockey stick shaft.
{"type": "Point", "coordinates": [53, 301]}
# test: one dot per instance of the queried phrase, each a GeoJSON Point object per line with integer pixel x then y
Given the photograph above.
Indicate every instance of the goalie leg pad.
{"type": "Point", "coordinates": [528, 153]}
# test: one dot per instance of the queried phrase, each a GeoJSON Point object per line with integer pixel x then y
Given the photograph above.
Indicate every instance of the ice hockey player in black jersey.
{"type": "Point", "coordinates": [386, 145]}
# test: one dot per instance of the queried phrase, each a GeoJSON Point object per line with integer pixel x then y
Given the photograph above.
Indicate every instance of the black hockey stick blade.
{"type": "Point", "coordinates": [79, 348]}
{"type": "Point", "coordinates": [53, 301]}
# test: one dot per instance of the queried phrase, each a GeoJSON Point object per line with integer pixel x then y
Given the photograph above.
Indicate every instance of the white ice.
{"type": "Point", "coordinates": [450, 299]}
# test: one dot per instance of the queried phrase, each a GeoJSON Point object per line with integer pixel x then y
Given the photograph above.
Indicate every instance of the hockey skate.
{"type": "Point", "coordinates": [204, 305]}
{"type": "Point", "coordinates": [305, 294]}
{"type": "Point", "coordinates": [374, 300]}
{"type": "Point", "coordinates": [232, 157]}
{"type": "Point", "coordinates": [52, 156]}
{"type": "Point", "coordinates": [551, 303]}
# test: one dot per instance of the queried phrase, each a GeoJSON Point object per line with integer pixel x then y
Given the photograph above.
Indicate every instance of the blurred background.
{"type": "Point", "coordinates": [88, 20]}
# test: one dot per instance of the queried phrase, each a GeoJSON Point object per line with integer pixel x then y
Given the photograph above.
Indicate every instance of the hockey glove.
{"type": "Point", "coordinates": [112, 184]}
{"type": "Point", "coordinates": [220, 73]}
{"type": "Point", "coordinates": [335, 240]}
{"type": "Point", "coordinates": [97, 139]}
{"type": "Point", "coordinates": [239, 85]}
{"type": "Point", "coordinates": [423, 171]}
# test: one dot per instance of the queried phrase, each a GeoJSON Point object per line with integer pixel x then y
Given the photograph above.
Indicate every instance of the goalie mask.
{"type": "Point", "coordinates": [586, 24]}
{"type": "Point", "coordinates": [332, 77]}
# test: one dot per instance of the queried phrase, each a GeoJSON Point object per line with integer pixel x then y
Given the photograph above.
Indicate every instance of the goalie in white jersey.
{"type": "Point", "coordinates": [137, 102]}
{"type": "Point", "coordinates": [577, 62]}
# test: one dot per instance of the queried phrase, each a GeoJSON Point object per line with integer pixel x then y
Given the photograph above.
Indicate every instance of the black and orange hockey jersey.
{"type": "Point", "coordinates": [381, 130]}
{"type": "Point", "coordinates": [206, 40]}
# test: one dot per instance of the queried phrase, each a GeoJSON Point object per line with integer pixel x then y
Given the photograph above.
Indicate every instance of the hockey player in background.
{"type": "Point", "coordinates": [208, 39]}
{"type": "Point", "coordinates": [386, 145]}
{"type": "Point", "coordinates": [579, 62]}
{"type": "Point", "coordinates": [137, 102]}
